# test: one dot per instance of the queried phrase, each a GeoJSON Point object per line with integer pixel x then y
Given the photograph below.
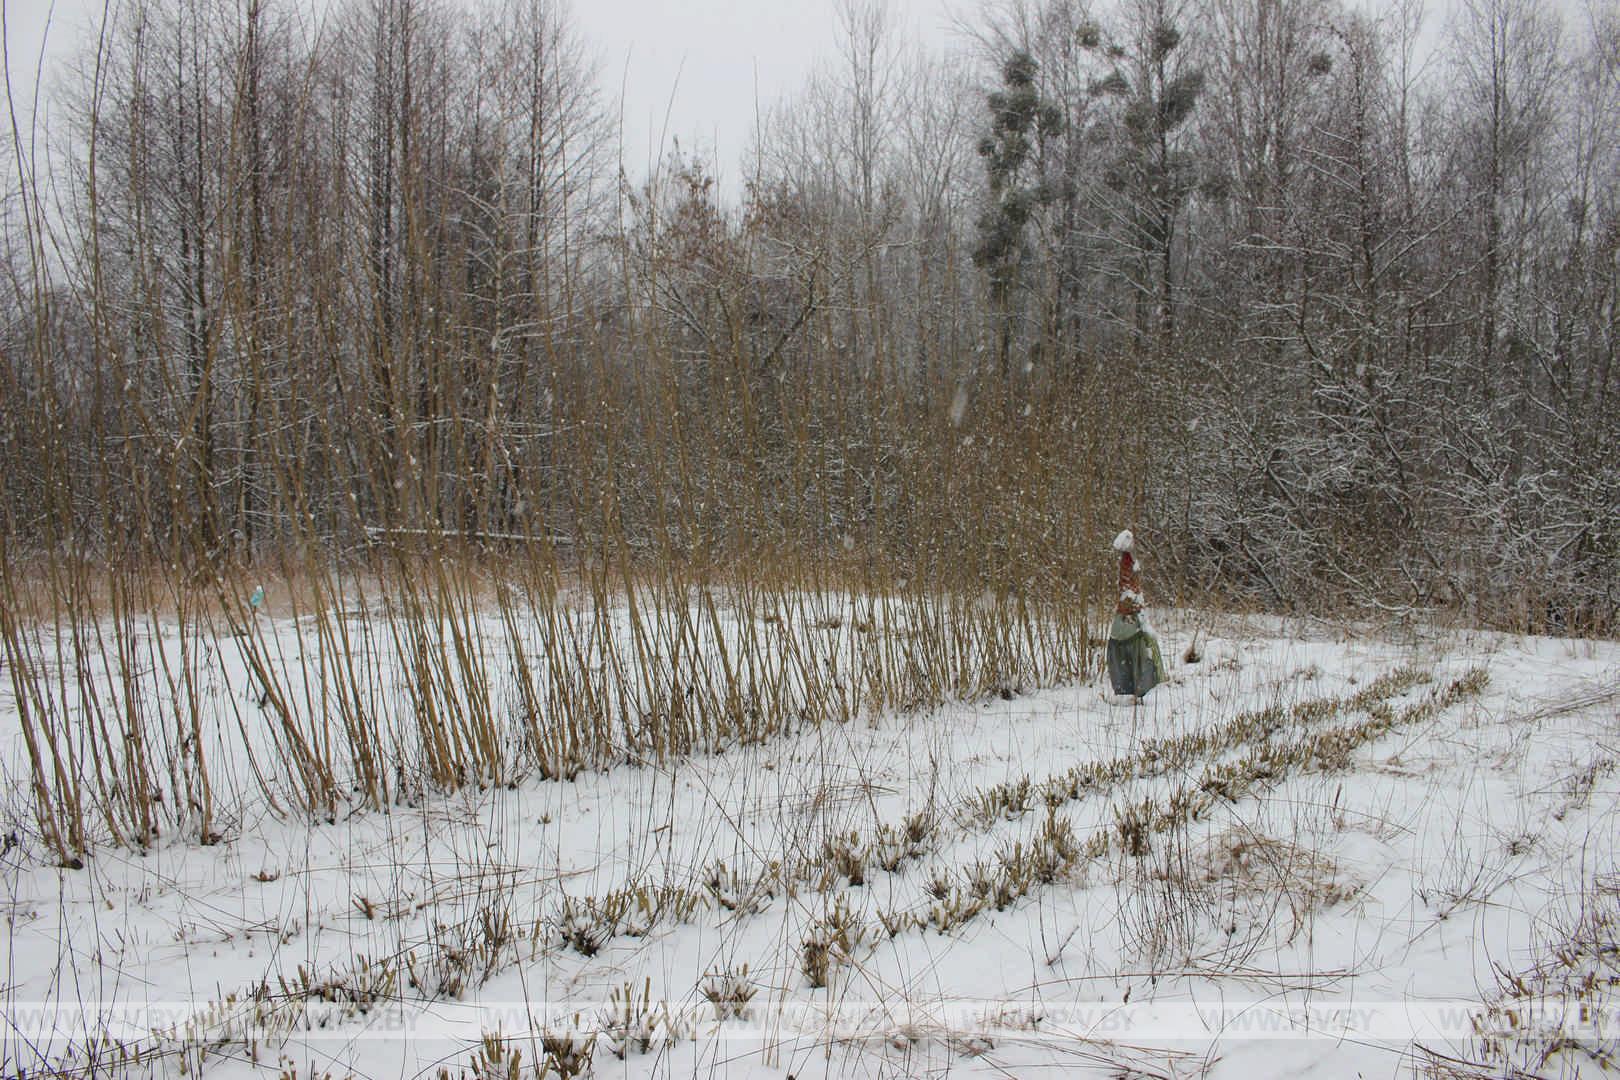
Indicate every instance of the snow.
{"type": "Point", "coordinates": [1329, 920]}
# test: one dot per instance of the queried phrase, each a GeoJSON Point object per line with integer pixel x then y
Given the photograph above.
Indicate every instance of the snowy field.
{"type": "Point", "coordinates": [1312, 852]}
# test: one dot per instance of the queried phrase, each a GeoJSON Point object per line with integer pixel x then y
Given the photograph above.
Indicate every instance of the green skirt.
{"type": "Point", "coordinates": [1135, 665]}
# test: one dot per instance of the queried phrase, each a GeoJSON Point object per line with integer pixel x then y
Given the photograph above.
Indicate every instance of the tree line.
{"type": "Point", "coordinates": [1323, 300]}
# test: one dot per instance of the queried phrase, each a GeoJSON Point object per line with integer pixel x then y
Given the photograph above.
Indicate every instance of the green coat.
{"type": "Point", "coordinates": [1135, 664]}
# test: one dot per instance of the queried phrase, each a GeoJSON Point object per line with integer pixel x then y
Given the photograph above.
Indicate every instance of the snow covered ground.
{"type": "Point", "coordinates": [1311, 853]}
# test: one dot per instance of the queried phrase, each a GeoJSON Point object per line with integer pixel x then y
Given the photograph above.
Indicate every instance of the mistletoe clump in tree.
{"type": "Point", "coordinates": [1020, 123]}
{"type": "Point", "coordinates": [1154, 174]}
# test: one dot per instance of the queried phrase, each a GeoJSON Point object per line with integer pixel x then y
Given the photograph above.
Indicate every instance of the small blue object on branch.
{"type": "Point", "coordinates": [257, 598]}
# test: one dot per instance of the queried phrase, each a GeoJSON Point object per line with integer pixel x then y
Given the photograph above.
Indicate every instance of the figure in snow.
{"type": "Point", "coordinates": [1135, 665]}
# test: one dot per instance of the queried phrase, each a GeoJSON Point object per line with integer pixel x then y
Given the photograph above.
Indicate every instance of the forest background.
{"type": "Point", "coordinates": [1324, 300]}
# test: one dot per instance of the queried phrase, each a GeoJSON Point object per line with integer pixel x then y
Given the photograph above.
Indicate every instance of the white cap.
{"type": "Point", "coordinates": [1124, 541]}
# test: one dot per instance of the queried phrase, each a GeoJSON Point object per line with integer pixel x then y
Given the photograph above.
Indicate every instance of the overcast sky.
{"type": "Point", "coordinates": [712, 63]}
{"type": "Point", "coordinates": [693, 70]}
